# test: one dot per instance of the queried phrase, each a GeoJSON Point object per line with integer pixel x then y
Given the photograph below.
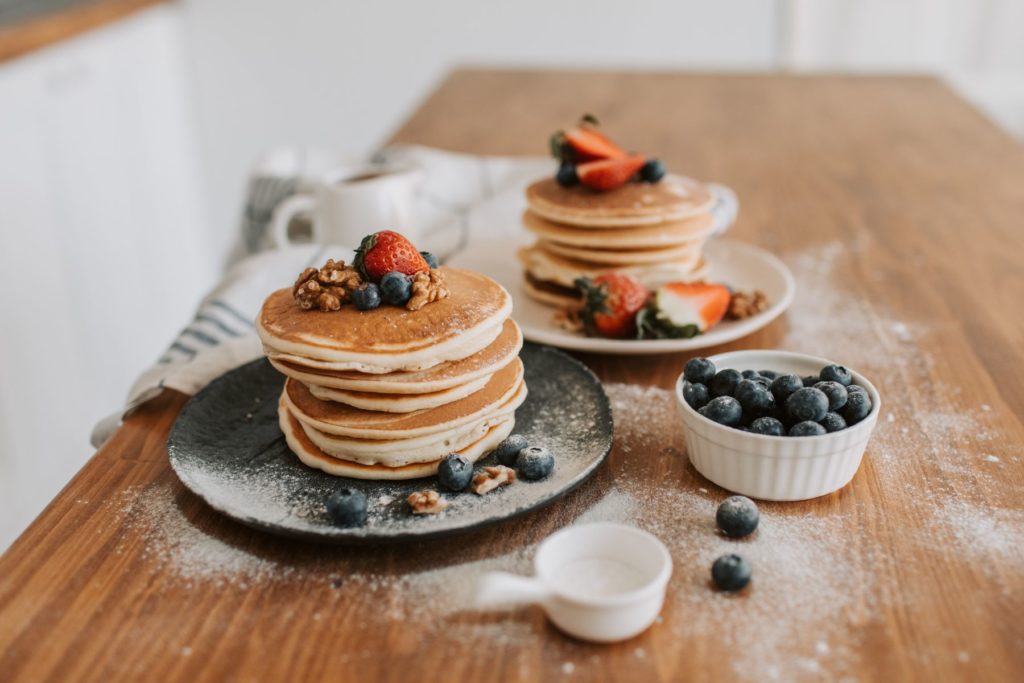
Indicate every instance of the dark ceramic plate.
{"type": "Point", "coordinates": [226, 447]}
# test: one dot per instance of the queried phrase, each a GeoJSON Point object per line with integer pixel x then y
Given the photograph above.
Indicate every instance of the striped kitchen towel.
{"type": "Point", "coordinates": [462, 198]}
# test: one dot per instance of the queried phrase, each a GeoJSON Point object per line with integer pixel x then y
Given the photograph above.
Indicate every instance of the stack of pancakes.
{"type": "Point", "coordinates": [387, 393]}
{"type": "Point", "coordinates": [653, 231]}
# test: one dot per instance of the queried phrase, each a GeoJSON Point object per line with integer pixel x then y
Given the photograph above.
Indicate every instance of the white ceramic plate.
{"type": "Point", "coordinates": [742, 266]}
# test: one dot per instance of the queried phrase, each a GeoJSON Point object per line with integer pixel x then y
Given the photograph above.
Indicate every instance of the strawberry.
{"type": "Point", "coordinates": [589, 144]}
{"type": "Point", "coordinates": [382, 252]}
{"type": "Point", "coordinates": [611, 302]}
{"type": "Point", "coordinates": [684, 309]}
{"type": "Point", "coordinates": [609, 174]}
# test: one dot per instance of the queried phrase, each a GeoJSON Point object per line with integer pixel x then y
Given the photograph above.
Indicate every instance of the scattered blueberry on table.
{"type": "Point", "coordinates": [737, 516]}
{"type": "Point", "coordinates": [508, 450]}
{"type": "Point", "coordinates": [534, 463]}
{"type": "Point", "coordinates": [347, 507]}
{"type": "Point", "coordinates": [775, 404]}
{"type": "Point", "coordinates": [455, 472]}
{"type": "Point", "coordinates": [731, 572]}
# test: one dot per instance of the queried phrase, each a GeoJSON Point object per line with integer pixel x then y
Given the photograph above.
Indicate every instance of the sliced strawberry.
{"type": "Point", "coordinates": [590, 144]}
{"type": "Point", "coordinates": [611, 302]}
{"type": "Point", "coordinates": [609, 174]}
{"type": "Point", "coordinates": [691, 303]}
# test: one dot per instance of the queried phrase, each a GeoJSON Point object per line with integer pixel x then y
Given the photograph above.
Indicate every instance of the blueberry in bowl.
{"type": "Point", "coordinates": [792, 427]}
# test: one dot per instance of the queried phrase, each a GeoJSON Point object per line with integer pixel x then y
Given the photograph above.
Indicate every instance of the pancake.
{"type": "Point", "coordinates": [549, 293]}
{"type": "Point", "coordinates": [559, 270]}
{"type": "Point", "coordinates": [398, 403]}
{"type": "Point", "coordinates": [674, 198]}
{"type": "Point", "coordinates": [343, 420]}
{"type": "Point", "coordinates": [426, 448]}
{"type": "Point", "coordinates": [631, 237]}
{"type": "Point", "coordinates": [312, 456]}
{"type": "Point", "coordinates": [624, 257]}
{"type": "Point", "coordinates": [483, 363]}
{"type": "Point", "coordinates": [388, 338]}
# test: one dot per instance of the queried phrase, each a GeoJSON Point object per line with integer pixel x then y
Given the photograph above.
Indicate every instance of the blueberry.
{"type": "Point", "coordinates": [731, 572]}
{"type": "Point", "coordinates": [737, 516]}
{"type": "Point", "coordinates": [836, 393]}
{"type": "Point", "coordinates": [696, 395]}
{"type": "Point", "coordinates": [724, 410]}
{"type": "Point", "coordinates": [750, 374]}
{"type": "Point", "coordinates": [858, 405]}
{"type": "Point", "coordinates": [508, 450]}
{"type": "Point", "coordinates": [763, 381]}
{"type": "Point", "coordinates": [767, 425]}
{"type": "Point", "coordinates": [430, 259]}
{"type": "Point", "coordinates": [806, 428]}
{"type": "Point", "coordinates": [770, 374]}
{"type": "Point", "coordinates": [699, 370]}
{"type": "Point", "coordinates": [652, 171]}
{"type": "Point", "coordinates": [810, 380]}
{"type": "Point", "coordinates": [833, 422]}
{"type": "Point", "coordinates": [566, 175]}
{"type": "Point", "coordinates": [366, 296]}
{"type": "Point", "coordinates": [836, 373]}
{"type": "Point", "coordinates": [807, 403]}
{"type": "Point", "coordinates": [395, 288]}
{"type": "Point", "coordinates": [535, 463]}
{"type": "Point", "coordinates": [347, 507]}
{"type": "Point", "coordinates": [454, 472]}
{"type": "Point", "coordinates": [724, 382]}
{"type": "Point", "coordinates": [784, 385]}
{"type": "Point", "coordinates": [754, 398]}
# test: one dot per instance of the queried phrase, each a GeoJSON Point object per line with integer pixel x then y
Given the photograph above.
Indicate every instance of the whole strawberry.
{"type": "Point", "coordinates": [387, 251]}
{"type": "Point", "coordinates": [611, 302]}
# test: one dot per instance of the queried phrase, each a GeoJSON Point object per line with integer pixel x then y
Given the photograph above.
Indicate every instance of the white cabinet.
{"type": "Point", "coordinates": [102, 240]}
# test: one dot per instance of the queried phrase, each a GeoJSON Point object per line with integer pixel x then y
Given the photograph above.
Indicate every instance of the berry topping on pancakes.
{"type": "Point", "coordinates": [388, 251]}
{"type": "Point", "coordinates": [590, 158]}
{"type": "Point", "coordinates": [611, 302]}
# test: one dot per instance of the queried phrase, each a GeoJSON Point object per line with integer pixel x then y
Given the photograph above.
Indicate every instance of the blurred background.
{"type": "Point", "coordinates": [130, 128]}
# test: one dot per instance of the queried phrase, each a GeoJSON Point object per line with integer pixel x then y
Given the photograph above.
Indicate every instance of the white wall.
{"type": "Point", "coordinates": [102, 248]}
{"type": "Point", "coordinates": [344, 74]}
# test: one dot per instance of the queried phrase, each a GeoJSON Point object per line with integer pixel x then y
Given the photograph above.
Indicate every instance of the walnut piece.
{"type": "Point", "coordinates": [426, 502]}
{"type": "Point", "coordinates": [427, 287]}
{"type": "Point", "coordinates": [569, 318]}
{"type": "Point", "coordinates": [491, 478]}
{"type": "Point", "coordinates": [325, 288]}
{"type": "Point", "coordinates": [745, 304]}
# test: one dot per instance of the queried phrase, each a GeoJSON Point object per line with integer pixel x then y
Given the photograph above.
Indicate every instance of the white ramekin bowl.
{"type": "Point", "coordinates": [775, 467]}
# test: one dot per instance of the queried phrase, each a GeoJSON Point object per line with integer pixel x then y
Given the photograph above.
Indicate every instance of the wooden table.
{"type": "Point", "coordinates": [899, 209]}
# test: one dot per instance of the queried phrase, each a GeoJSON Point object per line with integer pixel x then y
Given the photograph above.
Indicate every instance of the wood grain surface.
{"type": "Point", "coordinates": [899, 209]}
{"type": "Point", "coordinates": [39, 31]}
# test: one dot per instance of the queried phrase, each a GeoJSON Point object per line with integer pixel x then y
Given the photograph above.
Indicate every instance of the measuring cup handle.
{"type": "Point", "coordinates": [502, 588]}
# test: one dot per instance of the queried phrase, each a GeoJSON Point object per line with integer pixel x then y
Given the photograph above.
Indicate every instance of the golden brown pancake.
{"type": "Point", "coordinates": [389, 338]}
{"type": "Point", "coordinates": [498, 353]}
{"type": "Point", "coordinates": [548, 267]}
{"type": "Point", "coordinates": [338, 418]}
{"type": "Point", "coordinates": [398, 403]}
{"type": "Point", "coordinates": [674, 198]}
{"type": "Point", "coordinates": [624, 257]}
{"type": "Point", "coordinates": [312, 456]}
{"type": "Point", "coordinates": [423, 448]}
{"type": "Point", "coordinates": [632, 237]}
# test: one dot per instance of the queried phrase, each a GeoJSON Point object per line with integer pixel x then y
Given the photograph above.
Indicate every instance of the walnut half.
{"type": "Point", "coordinates": [746, 304]}
{"type": "Point", "coordinates": [426, 502]}
{"type": "Point", "coordinates": [427, 287]}
{"type": "Point", "coordinates": [491, 478]}
{"type": "Point", "coordinates": [325, 288]}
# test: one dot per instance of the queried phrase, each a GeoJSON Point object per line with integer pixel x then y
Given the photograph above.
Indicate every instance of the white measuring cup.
{"type": "Point", "coordinates": [602, 582]}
